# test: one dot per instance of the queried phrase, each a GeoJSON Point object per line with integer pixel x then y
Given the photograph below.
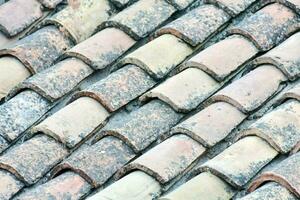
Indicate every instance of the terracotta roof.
{"type": "Point", "coordinates": [149, 99]}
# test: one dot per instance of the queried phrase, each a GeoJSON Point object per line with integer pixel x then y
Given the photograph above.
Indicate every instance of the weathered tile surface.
{"type": "Point", "coordinates": [276, 20]}
{"type": "Point", "coordinates": [17, 15]}
{"type": "Point", "coordinates": [212, 124]}
{"type": "Point", "coordinates": [149, 57]}
{"type": "Point", "coordinates": [50, 3]}
{"type": "Point", "coordinates": [224, 57]}
{"type": "Point", "coordinates": [20, 112]}
{"type": "Point", "coordinates": [167, 160]}
{"type": "Point", "coordinates": [12, 72]}
{"type": "Point", "coordinates": [80, 21]}
{"type": "Point", "coordinates": [55, 82]}
{"type": "Point", "coordinates": [102, 48]}
{"type": "Point", "coordinates": [122, 3]}
{"type": "Point", "coordinates": [119, 88]}
{"type": "Point", "coordinates": [98, 162]}
{"type": "Point", "coordinates": [68, 186]}
{"type": "Point", "coordinates": [143, 126]}
{"type": "Point", "coordinates": [135, 186]}
{"type": "Point", "coordinates": [286, 173]}
{"type": "Point", "coordinates": [71, 125]}
{"type": "Point", "coordinates": [9, 185]}
{"type": "Point", "coordinates": [270, 191]}
{"type": "Point", "coordinates": [184, 91]}
{"type": "Point", "coordinates": [293, 93]}
{"type": "Point", "coordinates": [241, 161]}
{"type": "Point", "coordinates": [285, 56]}
{"type": "Point", "coordinates": [250, 91]}
{"type": "Point", "coordinates": [280, 128]}
{"type": "Point", "coordinates": [232, 7]}
{"type": "Point", "coordinates": [197, 25]}
{"type": "Point", "coordinates": [204, 186]}
{"type": "Point", "coordinates": [30, 160]}
{"type": "Point", "coordinates": [141, 18]}
{"type": "Point", "coordinates": [3, 143]}
{"type": "Point", "coordinates": [39, 50]}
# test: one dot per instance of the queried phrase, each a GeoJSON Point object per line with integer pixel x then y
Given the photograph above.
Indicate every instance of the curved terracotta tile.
{"type": "Point", "coordinates": [142, 127]}
{"type": "Point", "coordinates": [270, 191]}
{"type": "Point", "coordinates": [285, 56]}
{"type": "Point", "coordinates": [20, 113]}
{"type": "Point", "coordinates": [39, 50]}
{"type": "Point", "coordinates": [212, 124]}
{"type": "Point", "coordinates": [119, 88]}
{"type": "Point", "coordinates": [17, 15]}
{"type": "Point", "coordinates": [12, 72]}
{"type": "Point", "coordinates": [135, 186]}
{"type": "Point", "coordinates": [184, 91]}
{"type": "Point", "coordinates": [276, 20]}
{"type": "Point", "coordinates": [205, 186]}
{"type": "Point", "coordinates": [70, 125]}
{"type": "Point", "coordinates": [149, 57]}
{"type": "Point", "coordinates": [240, 162]}
{"type": "Point", "coordinates": [9, 185]}
{"type": "Point", "coordinates": [286, 173]}
{"type": "Point", "coordinates": [55, 82]}
{"type": "Point", "coordinates": [180, 4]}
{"type": "Point", "coordinates": [32, 159]}
{"type": "Point", "coordinates": [89, 14]}
{"type": "Point", "coordinates": [293, 93]}
{"type": "Point", "coordinates": [249, 92]}
{"type": "Point", "coordinates": [103, 48]}
{"type": "Point", "coordinates": [280, 128]}
{"type": "Point", "coordinates": [167, 160]}
{"type": "Point", "coordinates": [292, 4]}
{"type": "Point", "coordinates": [223, 58]}
{"type": "Point", "coordinates": [141, 18]}
{"type": "Point", "coordinates": [98, 162]}
{"type": "Point", "coordinates": [66, 186]}
{"type": "Point", "coordinates": [232, 7]}
{"type": "Point", "coordinates": [197, 25]}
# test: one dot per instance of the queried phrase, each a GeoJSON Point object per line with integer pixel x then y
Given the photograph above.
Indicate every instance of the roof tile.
{"type": "Point", "coordinates": [250, 91]}
{"type": "Point", "coordinates": [286, 173]}
{"type": "Point", "coordinates": [136, 184]}
{"type": "Point", "coordinates": [241, 161]}
{"type": "Point", "coordinates": [180, 4]}
{"type": "Point", "coordinates": [67, 186]}
{"type": "Point", "coordinates": [12, 72]}
{"type": "Point", "coordinates": [19, 113]}
{"type": "Point", "coordinates": [197, 25]}
{"type": "Point", "coordinates": [56, 81]}
{"type": "Point", "coordinates": [212, 124]}
{"type": "Point", "coordinates": [285, 56]}
{"type": "Point", "coordinates": [270, 191]}
{"type": "Point", "coordinates": [280, 128]}
{"type": "Point", "coordinates": [293, 93]}
{"type": "Point", "coordinates": [17, 15]}
{"type": "Point", "coordinates": [232, 7]}
{"type": "Point", "coordinates": [167, 160]}
{"type": "Point", "coordinates": [204, 185]}
{"type": "Point", "coordinates": [184, 91]}
{"type": "Point", "coordinates": [3, 143]}
{"type": "Point", "coordinates": [141, 18]}
{"type": "Point", "coordinates": [102, 48]}
{"type": "Point", "coordinates": [149, 58]}
{"type": "Point", "coordinates": [122, 3]}
{"type": "Point", "coordinates": [9, 185]}
{"type": "Point", "coordinates": [224, 57]}
{"type": "Point", "coordinates": [39, 50]}
{"type": "Point", "coordinates": [98, 162]}
{"type": "Point", "coordinates": [50, 3]}
{"type": "Point", "coordinates": [30, 160]}
{"type": "Point", "coordinates": [119, 88]}
{"type": "Point", "coordinates": [275, 19]}
{"type": "Point", "coordinates": [70, 125]}
{"type": "Point", "coordinates": [89, 14]}
{"type": "Point", "coordinates": [133, 130]}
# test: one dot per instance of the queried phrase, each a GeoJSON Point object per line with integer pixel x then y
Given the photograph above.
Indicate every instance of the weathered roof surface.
{"type": "Point", "coordinates": [149, 99]}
